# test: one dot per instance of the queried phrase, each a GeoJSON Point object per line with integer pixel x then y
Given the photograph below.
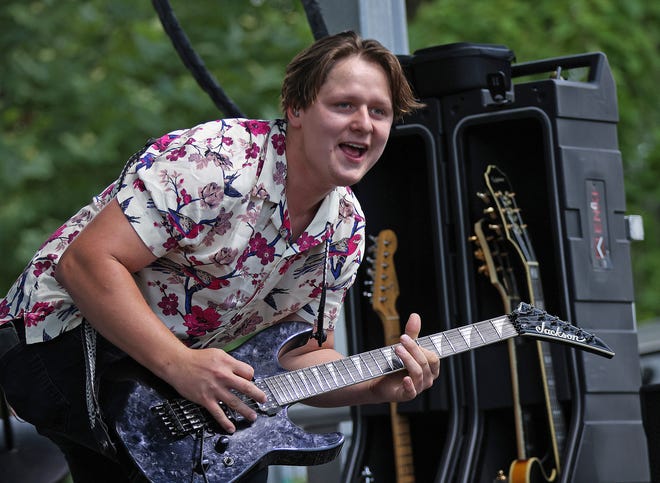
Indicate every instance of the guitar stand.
{"type": "Point", "coordinates": [25, 455]}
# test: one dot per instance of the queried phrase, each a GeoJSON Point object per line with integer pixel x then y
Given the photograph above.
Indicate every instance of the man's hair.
{"type": "Point", "coordinates": [308, 70]}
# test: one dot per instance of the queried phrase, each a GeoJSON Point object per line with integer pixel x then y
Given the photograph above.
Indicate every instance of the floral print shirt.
{"type": "Point", "coordinates": [210, 203]}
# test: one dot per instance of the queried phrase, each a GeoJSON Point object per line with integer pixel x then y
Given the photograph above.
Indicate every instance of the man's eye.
{"type": "Point", "coordinates": [379, 112]}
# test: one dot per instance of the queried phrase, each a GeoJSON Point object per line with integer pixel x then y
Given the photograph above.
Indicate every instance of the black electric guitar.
{"type": "Point", "coordinates": [385, 290]}
{"type": "Point", "coordinates": [508, 230]}
{"type": "Point", "coordinates": [171, 439]}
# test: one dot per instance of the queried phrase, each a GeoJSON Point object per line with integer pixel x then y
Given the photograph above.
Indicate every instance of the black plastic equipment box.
{"type": "Point", "coordinates": [447, 69]}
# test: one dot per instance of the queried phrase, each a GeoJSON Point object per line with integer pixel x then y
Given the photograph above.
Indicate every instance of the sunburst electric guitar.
{"type": "Point", "coordinates": [168, 438]}
{"type": "Point", "coordinates": [503, 235]}
{"type": "Point", "coordinates": [384, 293]}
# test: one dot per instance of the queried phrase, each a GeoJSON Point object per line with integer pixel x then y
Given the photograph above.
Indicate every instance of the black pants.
{"type": "Point", "coordinates": [45, 385]}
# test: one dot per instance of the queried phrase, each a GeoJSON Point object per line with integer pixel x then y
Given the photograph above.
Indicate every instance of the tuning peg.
{"type": "Point", "coordinates": [473, 238]}
{"type": "Point", "coordinates": [490, 211]}
{"type": "Point", "coordinates": [367, 294]}
{"type": "Point", "coordinates": [370, 272]}
{"type": "Point", "coordinates": [479, 254]}
{"type": "Point", "coordinates": [483, 196]}
{"type": "Point", "coordinates": [373, 238]}
{"type": "Point", "coordinates": [483, 269]}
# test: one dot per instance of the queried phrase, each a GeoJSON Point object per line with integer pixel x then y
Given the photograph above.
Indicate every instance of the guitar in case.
{"type": "Point", "coordinates": [385, 290]}
{"type": "Point", "coordinates": [502, 236]}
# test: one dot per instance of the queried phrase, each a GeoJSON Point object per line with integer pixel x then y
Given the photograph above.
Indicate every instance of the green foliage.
{"type": "Point", "coordinates": [83, 85]}
{"type": "Point", "coordinates": [629, 34]}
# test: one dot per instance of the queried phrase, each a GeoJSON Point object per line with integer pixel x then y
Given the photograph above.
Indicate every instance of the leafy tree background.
{"type": "Point", "coordinates": [84, 84]}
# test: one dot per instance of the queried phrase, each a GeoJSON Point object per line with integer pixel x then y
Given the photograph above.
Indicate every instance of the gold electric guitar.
{"type": "Point", "coordinates": [500, 236]}
{"type": "Point", "coordinates": [385, 291]}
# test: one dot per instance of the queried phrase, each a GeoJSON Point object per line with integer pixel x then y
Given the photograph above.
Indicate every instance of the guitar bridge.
{"type": "Point", "coordinates": [182, 418]}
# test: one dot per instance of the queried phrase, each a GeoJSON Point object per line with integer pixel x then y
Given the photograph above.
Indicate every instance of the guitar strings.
{"type": "Point", "coordinates": [306, 382]}
{"type": "Point", "coordinates": [377, 362]}
{"type": "Point", "coordinates": [294, 385]}
{"type": "Point", "coordinates": [347, 371]}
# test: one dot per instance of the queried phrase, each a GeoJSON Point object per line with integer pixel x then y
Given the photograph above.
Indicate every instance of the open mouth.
{"type": "Point", "coordinates": [352, 149]}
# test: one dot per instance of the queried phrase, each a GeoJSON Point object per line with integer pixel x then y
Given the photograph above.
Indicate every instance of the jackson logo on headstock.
{"type": "Point", "coordinates": [542, 329]}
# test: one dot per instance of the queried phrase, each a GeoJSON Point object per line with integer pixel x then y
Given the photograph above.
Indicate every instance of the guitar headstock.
{"type": "Point", "coordinates": [533, 322]}
{"type": "Point", "coordinates": [495, 261]}
{"type": "Point", "coordinates": [385, 286]}
{"type": "Point", "coordinates": [505, 211]}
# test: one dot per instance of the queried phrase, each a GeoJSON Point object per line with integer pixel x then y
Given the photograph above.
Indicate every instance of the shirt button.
{"type": "Point", "coordinates": [284, 232]}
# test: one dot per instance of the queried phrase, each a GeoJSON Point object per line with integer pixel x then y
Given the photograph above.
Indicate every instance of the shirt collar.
{"type": "Point", "coordinates": [271, 186]}
{"type": "Point", "coordinates": [271, 180]}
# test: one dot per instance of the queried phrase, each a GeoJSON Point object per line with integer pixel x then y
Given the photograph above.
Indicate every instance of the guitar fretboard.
{"type": "Point", "coordinates": [311, 381]}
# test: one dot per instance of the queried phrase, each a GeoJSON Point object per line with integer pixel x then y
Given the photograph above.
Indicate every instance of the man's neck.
{"type": "Point", "coordinates": [303, 200]}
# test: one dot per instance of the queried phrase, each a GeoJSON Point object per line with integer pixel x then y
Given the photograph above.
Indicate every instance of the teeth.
{"type": "Point", "coordinates": [356, 146]}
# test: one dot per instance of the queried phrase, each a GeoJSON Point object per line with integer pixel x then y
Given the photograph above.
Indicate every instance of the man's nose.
{"type": "Point", "coordinates": [361, 120]}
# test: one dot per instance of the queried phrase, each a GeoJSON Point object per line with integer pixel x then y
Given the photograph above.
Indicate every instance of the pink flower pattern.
{"type": "Point", "coordinates": [220, 229]}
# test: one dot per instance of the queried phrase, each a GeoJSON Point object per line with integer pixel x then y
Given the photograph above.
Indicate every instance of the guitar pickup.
{"type": "Point", "coordinates": [271, 406]}
{"type": "Point", "coordinates": [234, 416]}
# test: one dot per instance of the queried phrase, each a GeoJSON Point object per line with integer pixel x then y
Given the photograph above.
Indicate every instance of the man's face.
{"type": "Point", "coordinates": [345, 130]}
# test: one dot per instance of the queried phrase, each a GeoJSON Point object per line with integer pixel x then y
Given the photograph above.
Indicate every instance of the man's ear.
{"type": "Point", "coordinates": [293, 116]}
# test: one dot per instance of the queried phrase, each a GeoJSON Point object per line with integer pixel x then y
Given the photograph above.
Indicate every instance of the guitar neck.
{"type": "Point", "coordinates": [533, 275]}
{"type": "Point", "coordinates": [554, 411]}
{"type": "Point", "coordinates": [403, 455]}
{"type": "Point", "coordinates": [509, 301]}
{"type": "Point", "coordinates": [402, 442]}
{"type": "Point", "coordinates": [385, 292]}
{"type": "Point", "coordinates": [312, 381]}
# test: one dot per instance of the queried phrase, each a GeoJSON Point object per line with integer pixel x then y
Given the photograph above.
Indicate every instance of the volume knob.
{"type": "Point", "coordinates": [221, 444]}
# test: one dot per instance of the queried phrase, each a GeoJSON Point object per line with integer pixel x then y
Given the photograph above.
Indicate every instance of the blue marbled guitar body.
{"type": "Point", "coordinates": [271, 439]}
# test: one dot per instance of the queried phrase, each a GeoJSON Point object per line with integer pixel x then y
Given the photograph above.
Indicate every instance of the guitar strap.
{"type": "Point", "coordinates": [96, 423]}
{"type": "Point", "coordinates": [320, 334]}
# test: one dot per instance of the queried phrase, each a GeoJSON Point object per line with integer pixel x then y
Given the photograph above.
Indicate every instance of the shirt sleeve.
{"type": "Point", "coordinates": [168, 197]}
